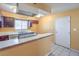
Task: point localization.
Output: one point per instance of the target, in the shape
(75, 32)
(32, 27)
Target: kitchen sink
(26, 34)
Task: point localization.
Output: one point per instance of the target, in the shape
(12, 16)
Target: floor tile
(62, 51)
(73, 53)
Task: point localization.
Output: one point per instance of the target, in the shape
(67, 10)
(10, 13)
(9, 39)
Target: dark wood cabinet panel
(0, 24)
(34, 21)
(8, 21)
(3, 38)
(1, 21)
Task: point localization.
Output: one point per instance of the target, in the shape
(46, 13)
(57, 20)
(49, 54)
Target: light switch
(74, 29)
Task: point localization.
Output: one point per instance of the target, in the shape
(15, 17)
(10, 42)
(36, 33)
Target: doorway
(62, 27)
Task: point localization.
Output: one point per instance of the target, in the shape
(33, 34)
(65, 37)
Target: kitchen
(39, 29)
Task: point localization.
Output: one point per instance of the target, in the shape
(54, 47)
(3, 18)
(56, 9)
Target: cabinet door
(0, 24)
(1, 21)
(8, 21)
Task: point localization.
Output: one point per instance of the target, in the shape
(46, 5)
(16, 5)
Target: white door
(62, 27)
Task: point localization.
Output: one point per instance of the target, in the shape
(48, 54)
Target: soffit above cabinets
(29, 10)
(22, 8)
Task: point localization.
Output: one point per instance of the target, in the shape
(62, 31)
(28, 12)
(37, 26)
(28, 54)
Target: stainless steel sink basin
(26, 34)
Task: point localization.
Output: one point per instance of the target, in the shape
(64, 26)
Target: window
(17, 24)
(21, 24)
(24, 24)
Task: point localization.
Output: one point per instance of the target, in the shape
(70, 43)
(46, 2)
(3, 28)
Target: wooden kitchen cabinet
(39, 47)
(0, 24)
(8, 21)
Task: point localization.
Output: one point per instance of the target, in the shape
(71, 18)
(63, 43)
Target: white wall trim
(74, 50)
(49, 53)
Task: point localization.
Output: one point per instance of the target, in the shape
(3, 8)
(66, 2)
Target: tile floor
(62, 51)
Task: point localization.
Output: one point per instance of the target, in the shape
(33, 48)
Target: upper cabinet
(8, 22)
(1, 20)
(0, 24)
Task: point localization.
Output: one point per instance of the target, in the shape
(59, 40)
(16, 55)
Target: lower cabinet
(38, 47)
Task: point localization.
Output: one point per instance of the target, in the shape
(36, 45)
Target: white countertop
(11, 42)
(12, 33)
(7, 33)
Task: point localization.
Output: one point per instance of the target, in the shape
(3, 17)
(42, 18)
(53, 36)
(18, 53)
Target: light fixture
(39, 14)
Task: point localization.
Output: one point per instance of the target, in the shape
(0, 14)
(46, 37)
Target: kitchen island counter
(12, 42)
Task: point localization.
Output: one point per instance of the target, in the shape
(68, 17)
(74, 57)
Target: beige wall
(46, 24)
(74, 15)
(34, 28)
(7, 29)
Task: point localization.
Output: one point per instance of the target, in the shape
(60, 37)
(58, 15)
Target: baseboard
(69, 48)
(74, 50)
(49, 53)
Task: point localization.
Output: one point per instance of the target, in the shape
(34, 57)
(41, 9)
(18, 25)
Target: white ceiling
(61, 7)
(55, 7)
